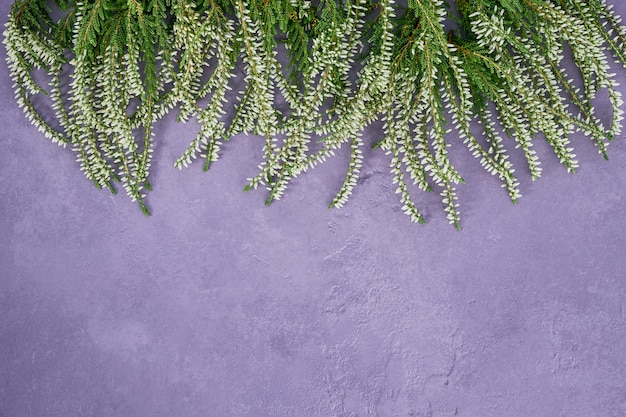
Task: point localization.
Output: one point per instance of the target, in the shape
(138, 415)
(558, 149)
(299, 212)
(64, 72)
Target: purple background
(220, 306)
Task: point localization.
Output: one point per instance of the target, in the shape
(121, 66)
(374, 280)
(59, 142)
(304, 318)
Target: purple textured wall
(220, 306)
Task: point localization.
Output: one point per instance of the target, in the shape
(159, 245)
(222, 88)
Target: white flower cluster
(28, 51)
(191, 32)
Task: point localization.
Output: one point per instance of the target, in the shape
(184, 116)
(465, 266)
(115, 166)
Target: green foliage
(118, 66)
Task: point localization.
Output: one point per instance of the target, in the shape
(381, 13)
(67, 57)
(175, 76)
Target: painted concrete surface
(220, 306)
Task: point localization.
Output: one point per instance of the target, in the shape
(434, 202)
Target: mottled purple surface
(220, 306)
